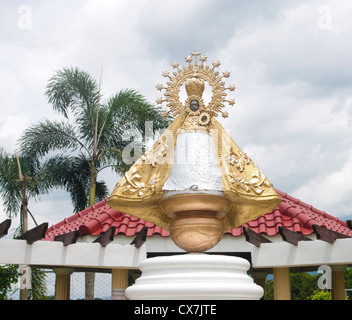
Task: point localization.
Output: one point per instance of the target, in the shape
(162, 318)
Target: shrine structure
(201, 213)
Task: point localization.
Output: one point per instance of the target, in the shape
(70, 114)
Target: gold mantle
(247, 192)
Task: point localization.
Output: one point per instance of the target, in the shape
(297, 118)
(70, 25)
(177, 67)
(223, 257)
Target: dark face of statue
(194, 105)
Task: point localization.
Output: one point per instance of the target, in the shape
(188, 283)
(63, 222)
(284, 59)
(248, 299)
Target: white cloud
(293, 114)
(330, 191)
(51, 208)
(11, 129)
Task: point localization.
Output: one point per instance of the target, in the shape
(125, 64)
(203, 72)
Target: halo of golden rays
(202, 71)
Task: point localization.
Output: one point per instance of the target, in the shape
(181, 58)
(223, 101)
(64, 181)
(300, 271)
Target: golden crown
(194, 76)
(195, 87)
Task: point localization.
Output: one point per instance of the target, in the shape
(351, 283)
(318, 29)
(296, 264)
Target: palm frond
(51, 174)
(113, 158)
(101, 191)
(47, 136)
(10, 185)
(126, 115)
(72, 89)
(39, 288)
(94, 141)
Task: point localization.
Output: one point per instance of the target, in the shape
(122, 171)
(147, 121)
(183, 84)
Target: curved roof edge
(292, 214)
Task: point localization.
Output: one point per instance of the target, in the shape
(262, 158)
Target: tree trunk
(89, 291)
(24, 294)
(24, 207)
(93, 184)
(24, 228)
(24, 218)
(90, 276)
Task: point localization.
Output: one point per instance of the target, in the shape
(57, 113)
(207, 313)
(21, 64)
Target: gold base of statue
(197, 224)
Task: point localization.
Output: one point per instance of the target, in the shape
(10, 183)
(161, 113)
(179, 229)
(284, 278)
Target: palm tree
(23, 178)
(92, 135)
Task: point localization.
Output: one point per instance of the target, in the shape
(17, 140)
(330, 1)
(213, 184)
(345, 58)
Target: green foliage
(21, 178)
(320, 295)
(10, 187)
(8, 276)
(38, 290)
(348, 282)
(304, 286)
(70, 153)
(93, 135)
(269, 290)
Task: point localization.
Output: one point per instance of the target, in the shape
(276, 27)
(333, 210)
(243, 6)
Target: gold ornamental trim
(193, 76)
(195, 202)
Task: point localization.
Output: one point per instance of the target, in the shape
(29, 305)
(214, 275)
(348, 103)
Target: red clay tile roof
(292, 214)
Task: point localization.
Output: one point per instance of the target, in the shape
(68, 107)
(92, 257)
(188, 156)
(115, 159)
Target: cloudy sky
(290, 61)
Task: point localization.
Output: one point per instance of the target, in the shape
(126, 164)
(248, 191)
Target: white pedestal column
(194, 276)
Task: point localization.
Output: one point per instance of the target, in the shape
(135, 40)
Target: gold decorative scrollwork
(156, 155)
(253, 185)
(238, 159)
(133, 182)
